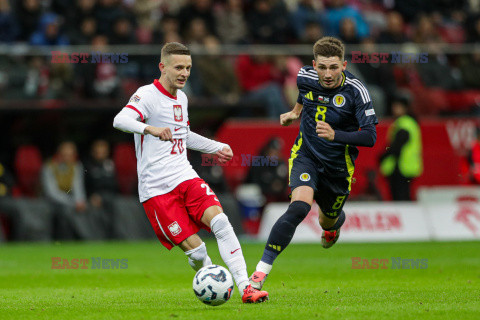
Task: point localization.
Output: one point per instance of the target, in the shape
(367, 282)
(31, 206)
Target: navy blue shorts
(330, 193)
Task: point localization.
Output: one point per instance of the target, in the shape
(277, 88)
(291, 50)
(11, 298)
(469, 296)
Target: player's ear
(344, 65)
(313, 63)
(161, 66)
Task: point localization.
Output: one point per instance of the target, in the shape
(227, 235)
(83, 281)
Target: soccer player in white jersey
(177, 201)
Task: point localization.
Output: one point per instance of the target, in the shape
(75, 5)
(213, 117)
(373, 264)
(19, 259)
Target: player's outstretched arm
(287, 118)
(205, 145)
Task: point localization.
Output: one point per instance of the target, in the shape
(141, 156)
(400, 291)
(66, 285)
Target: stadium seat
(28, 164)
(126, 166)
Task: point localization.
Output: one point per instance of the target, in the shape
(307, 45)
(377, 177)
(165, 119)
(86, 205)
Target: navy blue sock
(339, 223)
(284, 229)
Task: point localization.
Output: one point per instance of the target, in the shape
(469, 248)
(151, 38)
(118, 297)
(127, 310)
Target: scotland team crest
(177, 112)
(339, 100)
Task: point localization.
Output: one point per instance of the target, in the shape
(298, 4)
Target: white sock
(230, 249)
(198, 257)
(264, 267)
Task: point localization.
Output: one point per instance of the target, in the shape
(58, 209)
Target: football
(213, 285)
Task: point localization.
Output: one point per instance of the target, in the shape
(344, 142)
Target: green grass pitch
(307, 282)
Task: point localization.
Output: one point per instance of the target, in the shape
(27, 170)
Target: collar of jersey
(163, 90)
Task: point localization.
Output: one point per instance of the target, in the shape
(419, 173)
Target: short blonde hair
(172, 48)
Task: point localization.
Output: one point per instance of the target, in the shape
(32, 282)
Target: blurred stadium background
(246, 55)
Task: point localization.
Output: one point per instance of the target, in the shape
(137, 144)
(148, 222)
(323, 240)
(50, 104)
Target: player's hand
(286, 119)
(163, 134)
(224, 155)
(324, 130)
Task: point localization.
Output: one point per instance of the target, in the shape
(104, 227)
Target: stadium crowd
(449, 83)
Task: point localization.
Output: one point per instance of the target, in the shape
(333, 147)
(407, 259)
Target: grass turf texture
(307, 282)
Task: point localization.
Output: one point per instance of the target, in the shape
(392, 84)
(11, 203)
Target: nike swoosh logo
(232, 252)
(176, 129)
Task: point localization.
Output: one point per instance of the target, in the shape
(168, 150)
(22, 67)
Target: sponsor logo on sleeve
(135, 98)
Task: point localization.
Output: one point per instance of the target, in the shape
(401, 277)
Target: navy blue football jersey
(346, 108)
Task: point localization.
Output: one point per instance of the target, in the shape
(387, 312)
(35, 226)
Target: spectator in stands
(261, 82)
(28, 15)
(438, 73)
(214, 76)
(37, 82)
(85, 34)
(169, 25)
(379, 79)
(148, 13)
(106, 13)
(82, 10)
(9, 29)
(311, 33)
(470, 69)
(63, 178)
(49, 32)
(402, 162)
(410, 9)
(197, 32)
(197, 9)
(101, 183)
(425, 31)
(473, 29)
(348, 31)
(336, 11)
(474, 159)
(123, 31)
(231, 23)
(63, 185)
(61, 80)
(272, 178)
(307, 13)
(100, 80)
(395, 32)
(100, 176)
(268, 22)
(289, 66)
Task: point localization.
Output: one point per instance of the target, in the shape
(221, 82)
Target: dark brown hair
(172, 48)
(328, 47)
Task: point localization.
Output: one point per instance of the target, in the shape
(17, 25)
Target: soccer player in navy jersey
(336, 116)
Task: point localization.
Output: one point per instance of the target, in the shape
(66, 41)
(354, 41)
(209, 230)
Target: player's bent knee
(303, 193)
(210, 213)
(297, 211)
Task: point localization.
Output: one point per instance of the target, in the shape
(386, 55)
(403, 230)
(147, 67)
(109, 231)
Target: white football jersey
(161, 165)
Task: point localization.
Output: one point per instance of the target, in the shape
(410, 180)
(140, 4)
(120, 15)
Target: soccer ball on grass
(213, 285)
